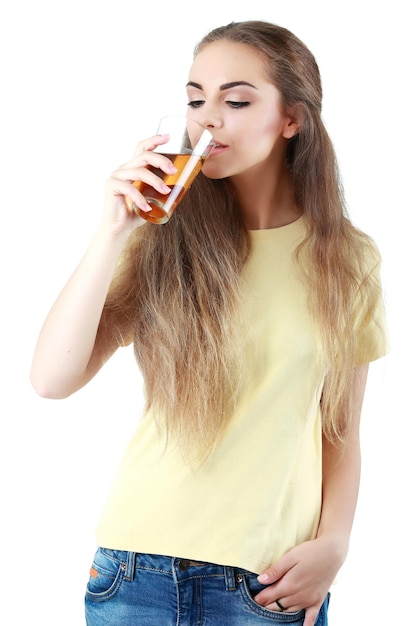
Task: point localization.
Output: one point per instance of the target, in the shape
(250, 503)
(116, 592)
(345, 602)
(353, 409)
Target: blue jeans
(129, 589)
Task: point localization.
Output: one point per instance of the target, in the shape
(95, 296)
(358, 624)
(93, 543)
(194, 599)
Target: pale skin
(229, 93)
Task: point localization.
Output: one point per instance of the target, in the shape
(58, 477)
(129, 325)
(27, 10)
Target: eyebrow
(236, 83)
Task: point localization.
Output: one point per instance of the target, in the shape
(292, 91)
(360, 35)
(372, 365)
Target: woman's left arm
(303, 576)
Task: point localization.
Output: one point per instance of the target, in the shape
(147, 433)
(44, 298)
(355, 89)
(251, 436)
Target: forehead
(224, 61)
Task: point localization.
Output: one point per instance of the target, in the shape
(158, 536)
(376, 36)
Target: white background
(81, 83)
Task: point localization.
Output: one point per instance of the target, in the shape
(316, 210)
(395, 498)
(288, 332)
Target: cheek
(266, 137)
(266, 126)
(270, 128)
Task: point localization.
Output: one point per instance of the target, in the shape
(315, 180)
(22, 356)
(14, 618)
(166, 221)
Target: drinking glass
(188, 146)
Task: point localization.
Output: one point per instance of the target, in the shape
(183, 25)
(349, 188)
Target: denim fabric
(128, 589)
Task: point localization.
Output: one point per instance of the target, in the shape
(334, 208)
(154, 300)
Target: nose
(211, 118)
(212, 122)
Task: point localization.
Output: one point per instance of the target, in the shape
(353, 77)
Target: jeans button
(183, 565)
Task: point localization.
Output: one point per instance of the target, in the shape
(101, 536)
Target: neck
(266, 199)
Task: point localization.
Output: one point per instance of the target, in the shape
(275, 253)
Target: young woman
(254, 313)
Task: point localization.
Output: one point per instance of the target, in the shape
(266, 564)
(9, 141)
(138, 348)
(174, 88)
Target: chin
(211, 171)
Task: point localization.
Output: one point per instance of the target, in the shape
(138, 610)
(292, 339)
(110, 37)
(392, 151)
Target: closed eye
(194, 104)
(237, 105)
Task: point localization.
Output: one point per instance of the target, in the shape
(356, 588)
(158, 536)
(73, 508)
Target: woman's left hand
(302, 578)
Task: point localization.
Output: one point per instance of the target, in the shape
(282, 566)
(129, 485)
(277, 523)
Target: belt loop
(130, 566)
(229, 576)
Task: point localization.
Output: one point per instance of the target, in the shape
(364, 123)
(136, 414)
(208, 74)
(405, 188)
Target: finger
(140, 176)
(150, 143)
(274, 607)
(272, 574)
(285, 605)
(268, 596)
(134, 206)
(130, 194)
(311, 616)
(139, 167)
(137, 171)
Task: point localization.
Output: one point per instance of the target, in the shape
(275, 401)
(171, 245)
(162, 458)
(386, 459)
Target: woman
(254, 313)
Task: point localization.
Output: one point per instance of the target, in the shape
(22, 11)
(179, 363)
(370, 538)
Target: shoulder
(364, 252)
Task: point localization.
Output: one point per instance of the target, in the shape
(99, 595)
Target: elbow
(48, 392)
(46, 389)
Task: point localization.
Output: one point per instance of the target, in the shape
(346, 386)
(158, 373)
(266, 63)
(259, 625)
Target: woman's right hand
(69, 351)
(122, 195)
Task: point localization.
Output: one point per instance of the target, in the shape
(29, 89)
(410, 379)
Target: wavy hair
(177, 290)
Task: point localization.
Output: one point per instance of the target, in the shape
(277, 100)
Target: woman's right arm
(67, 354)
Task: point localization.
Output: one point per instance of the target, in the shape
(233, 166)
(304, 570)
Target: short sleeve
(371, 337)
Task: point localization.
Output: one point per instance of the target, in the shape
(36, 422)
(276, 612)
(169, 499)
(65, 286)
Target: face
(230, 94)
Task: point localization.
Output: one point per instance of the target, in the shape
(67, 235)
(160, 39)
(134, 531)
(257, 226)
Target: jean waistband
(179, 568)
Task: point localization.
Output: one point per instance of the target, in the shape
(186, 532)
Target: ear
(294, 121)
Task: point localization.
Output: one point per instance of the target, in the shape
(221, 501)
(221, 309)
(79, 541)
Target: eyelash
(238, 105)
(195, 104)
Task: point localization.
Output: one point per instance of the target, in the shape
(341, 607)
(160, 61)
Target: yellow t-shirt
(259, 493)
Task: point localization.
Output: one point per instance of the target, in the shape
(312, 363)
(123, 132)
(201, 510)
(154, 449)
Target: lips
(218, 147)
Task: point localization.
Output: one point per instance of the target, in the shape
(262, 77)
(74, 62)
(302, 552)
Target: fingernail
(263, 578)
(143, 207)
(165, 188)
(172, 168)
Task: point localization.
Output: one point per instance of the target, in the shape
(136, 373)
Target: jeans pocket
(106, 576)
(249, 587)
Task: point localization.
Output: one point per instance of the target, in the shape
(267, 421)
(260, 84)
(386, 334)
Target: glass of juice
(188, 146)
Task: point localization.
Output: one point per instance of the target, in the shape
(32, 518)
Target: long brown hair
(177, 290)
